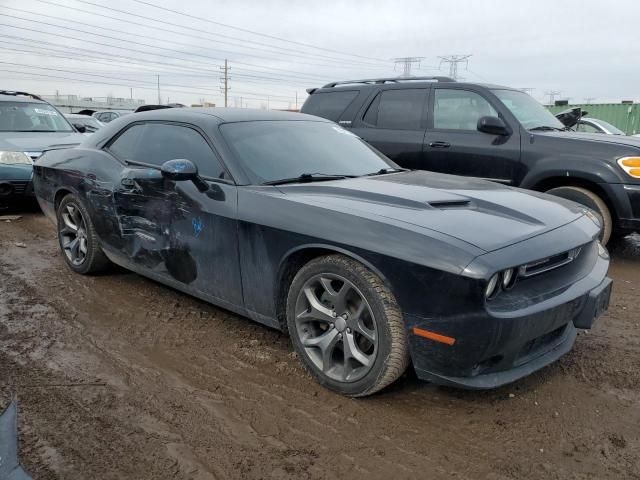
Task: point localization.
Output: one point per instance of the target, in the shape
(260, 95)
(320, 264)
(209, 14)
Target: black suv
(492, 132)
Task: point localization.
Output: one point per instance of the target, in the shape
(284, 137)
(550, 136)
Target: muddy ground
(121, 378)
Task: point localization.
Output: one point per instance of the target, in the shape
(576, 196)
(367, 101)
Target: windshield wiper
(547, 128)
(308, 178)
(384, 171)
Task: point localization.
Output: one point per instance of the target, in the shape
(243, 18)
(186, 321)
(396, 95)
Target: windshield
(275, 150)
(31, 117)
(608, 126)
(530, 113)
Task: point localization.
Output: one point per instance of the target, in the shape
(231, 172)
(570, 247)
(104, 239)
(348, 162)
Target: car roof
(19, 98)
(225, 115)
(401, 83)
(117, 111)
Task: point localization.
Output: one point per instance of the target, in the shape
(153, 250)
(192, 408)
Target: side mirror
(80, 128)
(493, 126)
(181, 170)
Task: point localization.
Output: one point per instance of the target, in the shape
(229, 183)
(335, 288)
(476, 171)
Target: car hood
(624, 140)
(37, 141)
(486, 215)
(571, 116)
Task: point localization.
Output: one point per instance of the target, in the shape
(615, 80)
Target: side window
(155, 143)
(329, 105)
(459, 109)
(125, 147)
(397, 109)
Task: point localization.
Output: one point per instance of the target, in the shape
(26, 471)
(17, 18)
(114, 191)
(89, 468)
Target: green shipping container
(625, 116)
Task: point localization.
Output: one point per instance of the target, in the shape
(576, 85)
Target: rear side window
(397, 109)
(156, 143)
(329, 105)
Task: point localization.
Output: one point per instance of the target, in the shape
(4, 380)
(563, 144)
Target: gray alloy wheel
(346, 326)
(73, 234)
(335, 325)
(78, 238)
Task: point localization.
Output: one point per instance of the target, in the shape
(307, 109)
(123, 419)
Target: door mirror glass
(179, 170)
(492, 125)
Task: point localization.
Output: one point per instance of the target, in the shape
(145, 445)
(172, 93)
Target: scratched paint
(198, 226)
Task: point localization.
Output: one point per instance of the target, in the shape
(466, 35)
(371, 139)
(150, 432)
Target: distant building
(74, 103)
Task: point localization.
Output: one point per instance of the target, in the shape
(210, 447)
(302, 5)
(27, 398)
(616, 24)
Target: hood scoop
(447, 204)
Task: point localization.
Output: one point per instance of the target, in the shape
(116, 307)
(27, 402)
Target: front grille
(19, 187)
(549, 263)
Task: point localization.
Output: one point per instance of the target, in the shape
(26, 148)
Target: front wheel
(346, 326)
(78, 238)
(591, 200)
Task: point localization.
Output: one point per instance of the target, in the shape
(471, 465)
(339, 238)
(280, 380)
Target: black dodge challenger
(296, 223)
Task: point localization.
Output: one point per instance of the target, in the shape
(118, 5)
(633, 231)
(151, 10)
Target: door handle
(439, 145)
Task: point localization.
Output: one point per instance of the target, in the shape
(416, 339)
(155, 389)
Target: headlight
(492, 286)
(14, 158)
(508, 278)
(631, 165)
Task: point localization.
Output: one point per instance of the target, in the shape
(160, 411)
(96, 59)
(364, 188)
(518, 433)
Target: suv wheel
(591, 200)
(346, 326)
(77, 237)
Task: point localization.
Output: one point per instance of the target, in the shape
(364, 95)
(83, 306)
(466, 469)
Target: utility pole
(296, 100)
(225, 81)
(159, 99)
(552, 95)
(406, 63)
(267, 102)
(131, 92)
(453, 61)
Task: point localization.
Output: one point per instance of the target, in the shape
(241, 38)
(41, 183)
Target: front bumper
(16, 181)
(494, 348)
(626, 200)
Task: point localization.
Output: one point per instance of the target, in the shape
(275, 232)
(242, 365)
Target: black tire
(591, 200)
(391, 354)
(93, 260)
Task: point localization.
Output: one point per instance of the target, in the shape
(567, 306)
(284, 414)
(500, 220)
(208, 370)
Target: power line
(246, 30)
(131, 80)
(137, 62)
(93, 82)
(190, 28)
(453, 61)
(200, 89)
(140, 51)
(99, 27)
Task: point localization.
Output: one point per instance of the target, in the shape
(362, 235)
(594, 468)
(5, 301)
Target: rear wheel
(346, 326)
(78, 239)
(591, 200)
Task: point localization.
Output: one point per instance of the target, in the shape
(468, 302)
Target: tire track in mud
(196, 392)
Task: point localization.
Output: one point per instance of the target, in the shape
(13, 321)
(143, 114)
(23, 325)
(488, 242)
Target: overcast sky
(579, 48)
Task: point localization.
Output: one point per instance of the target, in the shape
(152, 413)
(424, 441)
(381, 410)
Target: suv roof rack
(21, 94)
(389, 80)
